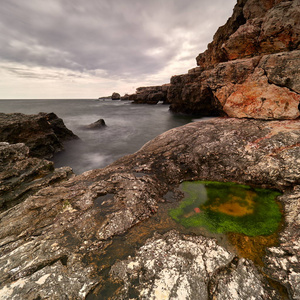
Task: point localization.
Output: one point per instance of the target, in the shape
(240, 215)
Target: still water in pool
(228, 207)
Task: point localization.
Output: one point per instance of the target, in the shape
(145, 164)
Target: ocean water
(129, 127)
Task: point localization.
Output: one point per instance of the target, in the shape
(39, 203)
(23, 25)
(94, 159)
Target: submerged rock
(43, 133)
(96, 125)
(60, 233)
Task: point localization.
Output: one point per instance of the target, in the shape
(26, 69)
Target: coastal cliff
(251, 69)
(107, 233)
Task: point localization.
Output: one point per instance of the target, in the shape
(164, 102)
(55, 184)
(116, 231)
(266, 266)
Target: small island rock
(115, 96)
(96, 125)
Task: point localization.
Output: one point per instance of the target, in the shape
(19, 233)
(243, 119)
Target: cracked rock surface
(175, 266)
(53, 235)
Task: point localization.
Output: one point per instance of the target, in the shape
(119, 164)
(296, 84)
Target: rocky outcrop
(43, 133)
(251, 69)
(150, 94)
(115, 96)
(22, 175)
(175, 266)
(60, 235)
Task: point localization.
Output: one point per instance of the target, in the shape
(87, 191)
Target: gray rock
(175, 266)
(100, 124)
(79, 217)
(22, 175)
(43, 133)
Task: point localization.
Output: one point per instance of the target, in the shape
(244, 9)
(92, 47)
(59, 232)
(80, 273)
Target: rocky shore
(58, 235)
(250, 69)
(106, 234)
(43, 133)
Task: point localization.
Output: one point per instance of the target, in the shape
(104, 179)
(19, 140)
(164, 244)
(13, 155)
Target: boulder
(115, 96)
(43, 133)
(100, 124)
(72, 227)
(250, 70)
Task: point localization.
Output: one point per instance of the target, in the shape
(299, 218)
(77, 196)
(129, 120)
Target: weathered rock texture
(150, 94)
(250, 70)
(43, 133)
(45, 241)
(22, 175)
(173, 266)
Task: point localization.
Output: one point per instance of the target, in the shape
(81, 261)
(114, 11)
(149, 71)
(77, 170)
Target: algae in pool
(228, 207)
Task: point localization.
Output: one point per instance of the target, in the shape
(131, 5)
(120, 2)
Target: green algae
(228, 207)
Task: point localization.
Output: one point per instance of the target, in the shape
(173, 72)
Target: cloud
(118, 39)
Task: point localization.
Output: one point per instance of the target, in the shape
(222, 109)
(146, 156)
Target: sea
(129, 127)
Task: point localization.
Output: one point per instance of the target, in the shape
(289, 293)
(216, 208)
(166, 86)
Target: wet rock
(80, 217)
(43, 133)
(100, 124)
(115, 96)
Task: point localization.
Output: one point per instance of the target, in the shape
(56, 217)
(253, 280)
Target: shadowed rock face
(46, 239)
(22, 175)
(150, 94)
(250, 70)
(43, 133)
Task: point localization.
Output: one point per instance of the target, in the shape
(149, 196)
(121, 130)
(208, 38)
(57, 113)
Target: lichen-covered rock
(80, 217)
(283, 262)
(43, 133)
(172, 267)
(175, 266)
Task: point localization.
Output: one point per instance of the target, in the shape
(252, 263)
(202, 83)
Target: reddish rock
(251, 69)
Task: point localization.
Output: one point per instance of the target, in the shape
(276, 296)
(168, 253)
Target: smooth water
(129, 127)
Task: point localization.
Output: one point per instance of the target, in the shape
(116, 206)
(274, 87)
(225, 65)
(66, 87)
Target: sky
(92, 48)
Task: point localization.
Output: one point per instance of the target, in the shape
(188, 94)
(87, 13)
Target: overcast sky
(91, 48)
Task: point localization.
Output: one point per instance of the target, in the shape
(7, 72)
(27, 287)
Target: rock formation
(43, 134)
(150, 94)
(100, 124)
(251, 69)
(115, 96)
(22, 175)
(70, 237)
(59, 235)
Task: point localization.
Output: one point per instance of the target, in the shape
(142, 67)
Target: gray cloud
(131, 37)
